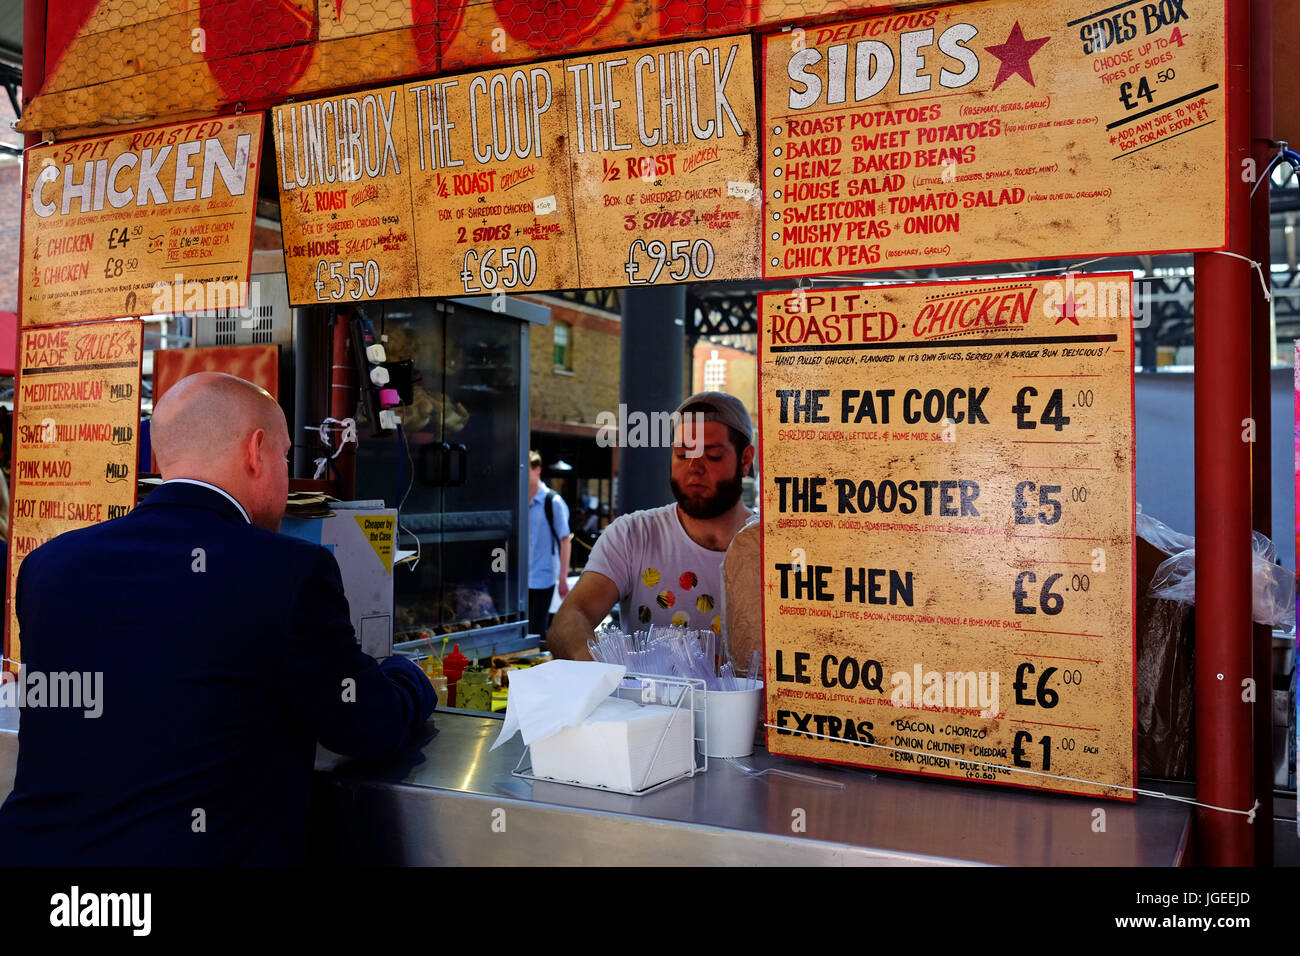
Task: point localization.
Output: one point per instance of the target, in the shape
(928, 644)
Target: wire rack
(684, 695)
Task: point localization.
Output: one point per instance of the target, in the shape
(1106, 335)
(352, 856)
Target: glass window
(562, 355)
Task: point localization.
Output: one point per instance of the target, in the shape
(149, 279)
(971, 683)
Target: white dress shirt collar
(220, 491)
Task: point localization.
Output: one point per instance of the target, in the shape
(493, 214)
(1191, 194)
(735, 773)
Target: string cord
(1248, 814)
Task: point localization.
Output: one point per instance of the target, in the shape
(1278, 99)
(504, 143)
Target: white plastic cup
(731, 718)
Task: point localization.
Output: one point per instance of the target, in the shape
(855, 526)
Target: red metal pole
(1261, 338)
(1223, 495)
(33, 56)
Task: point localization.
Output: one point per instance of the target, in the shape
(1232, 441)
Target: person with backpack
(549, 546)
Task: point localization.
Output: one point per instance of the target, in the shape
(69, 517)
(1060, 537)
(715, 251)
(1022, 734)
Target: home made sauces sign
(76, 422)
(948, 529)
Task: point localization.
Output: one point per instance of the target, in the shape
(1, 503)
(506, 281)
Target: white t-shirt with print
(663, 577)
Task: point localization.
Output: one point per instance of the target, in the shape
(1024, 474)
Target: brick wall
(595, 342)
(741, 373)
(11, 207)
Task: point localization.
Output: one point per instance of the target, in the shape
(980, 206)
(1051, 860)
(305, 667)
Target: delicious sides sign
(75, 435)
(665, 164)
(110, 221)
(997, 131)
(948, 529)
(470, 184)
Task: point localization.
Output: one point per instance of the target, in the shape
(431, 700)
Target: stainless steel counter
(452, 802)
(455, 803)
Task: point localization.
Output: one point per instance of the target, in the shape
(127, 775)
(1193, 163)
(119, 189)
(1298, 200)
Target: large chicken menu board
(112, 221)
(948, 508)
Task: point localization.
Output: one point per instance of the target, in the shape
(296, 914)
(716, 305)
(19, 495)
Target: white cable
(869, 283)
(410, 482)
(1259, 270)
(347, 429)
(1248, 814)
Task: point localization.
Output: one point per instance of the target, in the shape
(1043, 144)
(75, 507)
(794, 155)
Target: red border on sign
(1130, 796)
(255, 159)
(10, 583)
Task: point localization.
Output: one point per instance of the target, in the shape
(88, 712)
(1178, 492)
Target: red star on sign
(1015, 54)
(1067, 310)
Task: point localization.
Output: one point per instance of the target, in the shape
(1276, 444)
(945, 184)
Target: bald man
(218, 653)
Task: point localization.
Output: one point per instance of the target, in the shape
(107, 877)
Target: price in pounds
(1049, 506)
(689, 260)
(115, 267)
(1132, 99)
(1053, 413)
(1024, 740)
(1044, 694)
(1048, 601)
(1020, 756)
(1050, 597)
(119, 237)
(517, 266)
(360, 281)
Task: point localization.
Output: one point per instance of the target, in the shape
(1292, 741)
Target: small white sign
(544, 205)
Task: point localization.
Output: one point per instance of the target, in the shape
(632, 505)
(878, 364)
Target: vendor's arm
(353, 705)
(575, 622)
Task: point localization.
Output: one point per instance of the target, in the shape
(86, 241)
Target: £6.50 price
(515, 266)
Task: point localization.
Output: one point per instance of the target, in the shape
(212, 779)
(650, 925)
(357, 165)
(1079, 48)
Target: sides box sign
(996, 131)
(633, 168)
(154, 220)
(76, 421)
(948, 509)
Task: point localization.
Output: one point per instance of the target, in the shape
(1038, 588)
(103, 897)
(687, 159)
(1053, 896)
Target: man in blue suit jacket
(226, 651)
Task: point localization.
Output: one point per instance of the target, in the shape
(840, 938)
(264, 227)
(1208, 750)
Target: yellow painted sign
(118, 225)
(665, 163)
(76, 421)
(996, 131)
(471, 184)
(948, 543)
(491, 170)
(379, 533)
(121, 61)
(345, 184)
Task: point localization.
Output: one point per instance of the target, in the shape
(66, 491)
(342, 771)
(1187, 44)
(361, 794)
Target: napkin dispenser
(622, 745)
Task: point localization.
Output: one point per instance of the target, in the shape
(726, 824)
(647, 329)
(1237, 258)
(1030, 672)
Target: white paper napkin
(545, 699)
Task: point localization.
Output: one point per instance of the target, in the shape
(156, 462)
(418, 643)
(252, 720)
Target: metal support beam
(654, 343)
(1262, 347)
(1223, 496)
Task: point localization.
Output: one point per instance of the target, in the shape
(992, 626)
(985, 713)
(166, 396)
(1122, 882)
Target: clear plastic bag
(1273, 586)
(1161, 535)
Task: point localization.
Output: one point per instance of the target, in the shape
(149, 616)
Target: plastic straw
(752, 673)
(750, 772)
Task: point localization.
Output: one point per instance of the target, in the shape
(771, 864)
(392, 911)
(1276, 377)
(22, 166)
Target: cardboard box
(362, 542)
